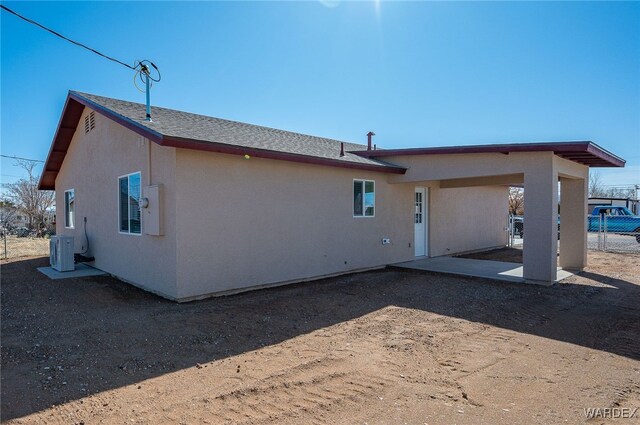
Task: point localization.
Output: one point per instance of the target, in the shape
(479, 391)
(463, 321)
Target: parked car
(618, 219)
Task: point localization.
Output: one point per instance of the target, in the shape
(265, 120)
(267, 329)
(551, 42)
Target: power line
(65, 38)
(19, 158)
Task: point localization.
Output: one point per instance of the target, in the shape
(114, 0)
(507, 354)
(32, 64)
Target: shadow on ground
(63, 340)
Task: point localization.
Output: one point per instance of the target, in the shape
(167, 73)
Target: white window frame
(72, 218)
(128, 210)
(364, 182)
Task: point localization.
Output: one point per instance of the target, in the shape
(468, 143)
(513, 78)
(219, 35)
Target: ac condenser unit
(61, 253)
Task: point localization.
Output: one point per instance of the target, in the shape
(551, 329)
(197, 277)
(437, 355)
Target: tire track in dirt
(276, 398)
(475, 352)
(623, 335)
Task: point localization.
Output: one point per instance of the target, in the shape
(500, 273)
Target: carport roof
(583, 152)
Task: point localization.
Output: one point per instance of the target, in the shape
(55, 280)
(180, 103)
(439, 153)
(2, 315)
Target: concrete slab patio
(495, 270)
(82, 270)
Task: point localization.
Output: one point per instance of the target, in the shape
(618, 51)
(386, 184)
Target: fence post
(600, 232)
(604, 217)
(4, 236)
(512, 230)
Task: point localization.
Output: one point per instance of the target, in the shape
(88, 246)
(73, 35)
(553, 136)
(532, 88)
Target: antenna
(144, 73)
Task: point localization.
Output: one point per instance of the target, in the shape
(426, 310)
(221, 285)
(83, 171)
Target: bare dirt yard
(385, 347)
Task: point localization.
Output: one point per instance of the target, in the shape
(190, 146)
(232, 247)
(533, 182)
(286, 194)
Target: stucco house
(188, 206)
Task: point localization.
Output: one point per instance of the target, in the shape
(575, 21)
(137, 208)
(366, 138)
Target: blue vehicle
(618, 220)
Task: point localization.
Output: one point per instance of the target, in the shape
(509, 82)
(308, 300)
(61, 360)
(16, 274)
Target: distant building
(632, 204)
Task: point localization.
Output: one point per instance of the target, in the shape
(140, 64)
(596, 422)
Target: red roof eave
(584, 152)
(207, 146)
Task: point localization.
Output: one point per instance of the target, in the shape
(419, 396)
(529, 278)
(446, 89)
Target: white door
(421, 220)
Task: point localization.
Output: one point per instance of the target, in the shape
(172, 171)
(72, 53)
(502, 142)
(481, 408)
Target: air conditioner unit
(61, 253)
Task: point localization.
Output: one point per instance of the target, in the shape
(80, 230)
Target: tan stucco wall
(232, 223)
(91, 167)
(244, 223)
(252, 222)
(457, 166)
(467, 219)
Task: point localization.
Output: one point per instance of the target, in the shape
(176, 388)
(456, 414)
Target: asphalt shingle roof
(173, 123)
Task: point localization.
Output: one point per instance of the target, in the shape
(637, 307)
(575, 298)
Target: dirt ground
(510, 255)
(386, 347)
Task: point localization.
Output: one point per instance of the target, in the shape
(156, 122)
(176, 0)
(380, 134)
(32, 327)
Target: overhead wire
(19, 158)
(57, 34)
(140, 67)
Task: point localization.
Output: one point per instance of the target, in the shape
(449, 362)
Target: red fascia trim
(72, 110)
(558, 148)
(519, 147)
(606, 155)
(207, 146)
(41, 184)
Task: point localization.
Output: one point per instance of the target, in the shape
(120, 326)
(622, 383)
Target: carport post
(573, 225)
(540, 261)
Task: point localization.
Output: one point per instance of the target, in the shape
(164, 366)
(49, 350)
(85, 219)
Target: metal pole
(148, 85)
(512, 230)
(605, 232)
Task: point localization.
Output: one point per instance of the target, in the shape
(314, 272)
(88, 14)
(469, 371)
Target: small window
(129, 204)
(364, 198)
(69, 208)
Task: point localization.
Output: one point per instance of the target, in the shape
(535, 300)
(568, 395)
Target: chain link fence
(14, 246)
(615, 233)
(604, 233)
(515, 231)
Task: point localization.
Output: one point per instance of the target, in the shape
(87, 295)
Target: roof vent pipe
(369, 136)
(341, 148)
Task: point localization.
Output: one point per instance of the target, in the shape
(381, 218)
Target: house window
(69, 208)
(129, 204)
(364, 198)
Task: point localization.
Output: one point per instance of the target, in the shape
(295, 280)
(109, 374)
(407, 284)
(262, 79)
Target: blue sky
(416, 73)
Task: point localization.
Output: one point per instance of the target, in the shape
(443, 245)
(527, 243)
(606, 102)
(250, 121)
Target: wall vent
(89, 122)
